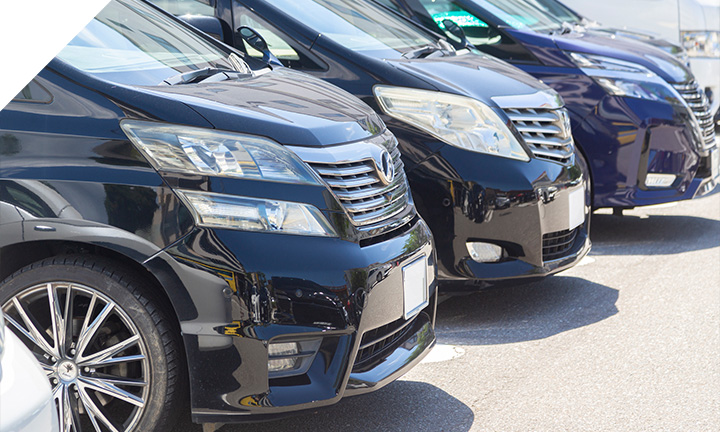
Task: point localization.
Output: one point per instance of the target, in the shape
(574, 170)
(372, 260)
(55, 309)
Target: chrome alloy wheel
(91, 351)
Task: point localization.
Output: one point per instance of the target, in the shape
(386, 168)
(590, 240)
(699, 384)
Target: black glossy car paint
(71, 181)
(463, 195)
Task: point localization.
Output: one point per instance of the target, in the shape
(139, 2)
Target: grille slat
(375, 342)
(557, 244)
(546, 131)
(700, 106)
(357, 184)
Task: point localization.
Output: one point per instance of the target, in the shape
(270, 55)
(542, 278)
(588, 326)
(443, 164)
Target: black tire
(108, 309)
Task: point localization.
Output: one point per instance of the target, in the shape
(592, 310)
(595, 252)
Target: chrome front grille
(700, 106)
(353, 172)
(546, 131)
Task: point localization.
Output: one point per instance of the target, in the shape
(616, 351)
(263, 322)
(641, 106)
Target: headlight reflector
(457, 120)
(701, 43)
(185, 149)
(590, 61)
(254, 214)
(640, 89)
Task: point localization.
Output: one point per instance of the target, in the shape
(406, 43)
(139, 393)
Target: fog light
(484, 252)
(659, 180)
(287, 351)
(291, 358)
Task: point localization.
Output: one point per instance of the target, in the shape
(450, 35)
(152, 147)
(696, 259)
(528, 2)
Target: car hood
(286, 106)
(478, 76)
(655, 59)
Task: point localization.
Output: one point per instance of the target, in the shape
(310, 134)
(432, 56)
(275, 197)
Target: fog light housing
(659, 180)
(484, 252)
(289, 358)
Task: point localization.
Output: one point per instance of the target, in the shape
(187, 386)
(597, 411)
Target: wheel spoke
(107, 353)
(94, 412)
(120, 380)
(111, 390)
(71, 415)
(68, 317)
(58, 322)
(59, 397)
(88, 332)
(116, 360)
(32, 331)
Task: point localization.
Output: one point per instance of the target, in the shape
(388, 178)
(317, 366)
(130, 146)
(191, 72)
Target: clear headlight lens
(460, 121)
(253, 214)
(185, 149)
(622, 78)
(701, 43)
(640, 89)
(590, 61)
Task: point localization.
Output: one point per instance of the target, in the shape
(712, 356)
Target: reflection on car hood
(655, 59)
(478, 76)
(289, 107)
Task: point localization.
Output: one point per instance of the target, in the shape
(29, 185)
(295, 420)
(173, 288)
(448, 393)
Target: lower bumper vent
(557, 244)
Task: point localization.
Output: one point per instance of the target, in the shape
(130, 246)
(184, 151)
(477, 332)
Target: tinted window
(282, 46)
(358, 25)
(131, 43)
(182, 7)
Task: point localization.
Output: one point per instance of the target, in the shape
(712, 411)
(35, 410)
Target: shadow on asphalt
(652, 235)
(400, 406)
(525, 312)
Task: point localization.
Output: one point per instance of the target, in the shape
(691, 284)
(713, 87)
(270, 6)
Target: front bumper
(520, 206)
(299, 288)
(628, 139)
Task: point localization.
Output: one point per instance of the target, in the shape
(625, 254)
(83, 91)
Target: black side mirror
(455, 30)
(206, 24)
(256, 41)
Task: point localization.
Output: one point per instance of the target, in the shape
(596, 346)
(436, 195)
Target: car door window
(288, 51)
(187, 7)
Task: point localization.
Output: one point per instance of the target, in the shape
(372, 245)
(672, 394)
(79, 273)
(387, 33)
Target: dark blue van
(637, 113)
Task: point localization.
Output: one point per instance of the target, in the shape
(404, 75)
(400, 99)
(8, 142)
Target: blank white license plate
(576, 207)
(714, 170)
(415, 289)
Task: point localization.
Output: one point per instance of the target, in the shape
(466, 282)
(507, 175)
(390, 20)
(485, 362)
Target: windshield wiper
(422, 52)
(208, 74)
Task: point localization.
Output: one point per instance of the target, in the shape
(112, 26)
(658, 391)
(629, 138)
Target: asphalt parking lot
(627, 341)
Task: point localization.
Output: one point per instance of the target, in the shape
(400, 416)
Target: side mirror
(257, 42)
(455, 30)
(206, 24)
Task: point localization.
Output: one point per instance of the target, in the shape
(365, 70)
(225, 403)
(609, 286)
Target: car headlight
(701, 43)
(256, 214)
(640, 90)
(457, 120)
(622, 78)
(192, 150)
(601, 63)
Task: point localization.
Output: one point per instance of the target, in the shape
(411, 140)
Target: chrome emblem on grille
(385, 167)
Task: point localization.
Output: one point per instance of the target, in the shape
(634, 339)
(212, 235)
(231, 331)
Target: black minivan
(179, 223)
(487, 148)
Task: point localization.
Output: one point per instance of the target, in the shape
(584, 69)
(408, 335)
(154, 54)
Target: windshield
(556, 10)
(356, 24)
(129, 42)
(521, 14)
